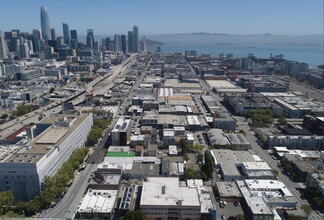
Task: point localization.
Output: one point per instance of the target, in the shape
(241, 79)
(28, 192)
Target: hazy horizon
(253, 17)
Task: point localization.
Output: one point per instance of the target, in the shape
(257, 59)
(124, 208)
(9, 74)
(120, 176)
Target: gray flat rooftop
(52, 136)
(47, 141)
(228, 189)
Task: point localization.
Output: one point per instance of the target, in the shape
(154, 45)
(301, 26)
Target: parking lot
(228, 210)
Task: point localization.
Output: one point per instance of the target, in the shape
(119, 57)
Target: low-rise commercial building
(245, 102)
(296, 142)
(263, 197)
(97, 204)
(229, 161)
(166, 197)
(224, 121)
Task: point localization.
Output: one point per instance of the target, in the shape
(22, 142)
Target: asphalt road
(67, 207)
(32, 117)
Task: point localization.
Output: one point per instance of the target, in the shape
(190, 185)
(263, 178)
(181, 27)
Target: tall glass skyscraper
(135, 39)
(53, 33)
(123, 43)
(90, 38)
(45, 23)
(66, 34)
(130, 41)
(118, 43)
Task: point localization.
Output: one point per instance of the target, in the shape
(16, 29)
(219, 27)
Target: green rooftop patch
(120, 154)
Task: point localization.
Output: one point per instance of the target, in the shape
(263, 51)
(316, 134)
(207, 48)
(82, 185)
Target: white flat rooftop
(270, 186)
(256, 166)
(165, 191)
(193, 120)
(101, 201)
(220, 84)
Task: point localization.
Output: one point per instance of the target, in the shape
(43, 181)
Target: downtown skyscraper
(130, 41)
(90, 38)
(135, 39)
(45, 24)
(66, 34)
(3, 48)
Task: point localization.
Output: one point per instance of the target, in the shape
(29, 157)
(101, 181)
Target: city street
(264, 154)
(67, 207)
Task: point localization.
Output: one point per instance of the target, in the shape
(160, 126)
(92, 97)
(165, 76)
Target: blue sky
(106, 17)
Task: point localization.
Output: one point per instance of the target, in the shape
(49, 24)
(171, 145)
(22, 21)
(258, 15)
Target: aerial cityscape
(182, 124)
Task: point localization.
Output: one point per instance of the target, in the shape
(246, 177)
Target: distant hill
(228, 39)
(150, 42)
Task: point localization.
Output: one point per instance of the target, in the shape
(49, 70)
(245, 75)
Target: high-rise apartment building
(74, 39)
(130, 41)
(74, 34)
(24, 50)
(90, 38)
(66, 34)
(45, 24)
(123, 43)
(37, 37)
(108, 41)
(53, 34)
(117, 42)
(135, 39)
(3, 48)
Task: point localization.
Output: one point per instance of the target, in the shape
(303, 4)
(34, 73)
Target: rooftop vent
(163, 190)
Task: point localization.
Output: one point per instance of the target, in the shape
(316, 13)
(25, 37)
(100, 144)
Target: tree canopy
(54, 187)
(282, 120)
(23, 109)
(6, 200)
(261, 116)
(209, 165)
(98, 126)
(135, 215)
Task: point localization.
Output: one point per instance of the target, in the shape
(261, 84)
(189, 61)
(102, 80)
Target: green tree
(209, 165)
(98, 126)
(295, 217)
(261, 116)
(47, 198)
(6, 200)
(52, 89)
(20, 208)
(242, 132)
(195, 147)
(135, 215)
(23, 109)
(200, 157)
(282, 121)
(307, 209)
(4, 116)
(183, 146)
(33, 206)
(262, 138)
(47, 182)
(239, 217)
(276, 172)
(190, 173)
